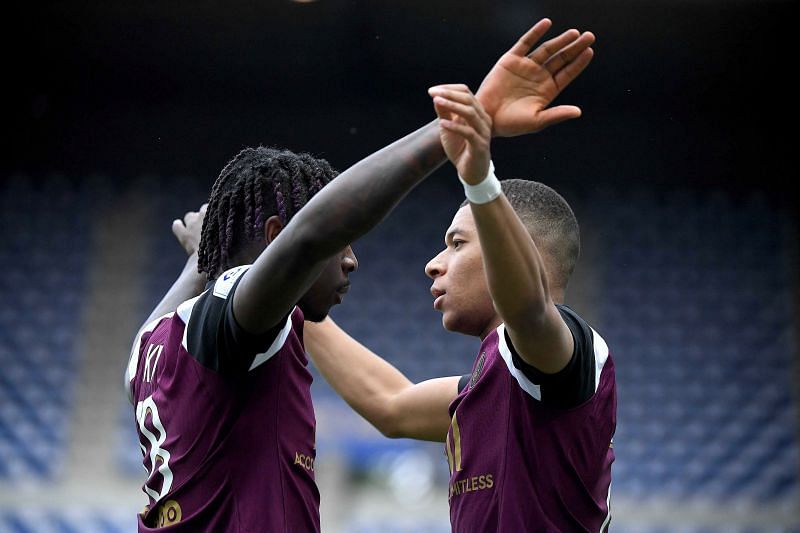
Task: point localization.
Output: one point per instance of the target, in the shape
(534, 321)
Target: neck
(556, 294)
(490, 327)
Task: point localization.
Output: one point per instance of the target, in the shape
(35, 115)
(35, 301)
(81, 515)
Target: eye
(457, 243)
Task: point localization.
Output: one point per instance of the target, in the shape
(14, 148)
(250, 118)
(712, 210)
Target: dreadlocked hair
(255, 185)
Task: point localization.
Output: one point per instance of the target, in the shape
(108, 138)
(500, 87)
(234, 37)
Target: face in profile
(330, 287)
(459, 286)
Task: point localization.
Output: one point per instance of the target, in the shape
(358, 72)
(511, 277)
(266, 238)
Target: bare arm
(518, 94)
(515, 271)
(190, 282)
(340, 213)
(519, 287)
(514, 268)
(378, 391)
(516, 91)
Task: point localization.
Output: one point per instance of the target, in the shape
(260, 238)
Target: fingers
(569, 53)
(531, 37)
(181, 227)
(436, 89)
(454, 104)
(461, 114)
(571, 71)
(178, 227)
(557, 52)
(544, 51)
(463, 130)
(190, 217)
(555, 115)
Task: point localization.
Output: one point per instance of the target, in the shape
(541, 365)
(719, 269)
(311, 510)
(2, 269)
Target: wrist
(489, 105)
(486, 190)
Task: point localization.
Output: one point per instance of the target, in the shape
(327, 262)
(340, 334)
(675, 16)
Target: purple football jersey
(225, 420)
(531, 452)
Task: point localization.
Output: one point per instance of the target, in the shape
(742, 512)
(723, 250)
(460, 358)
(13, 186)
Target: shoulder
(588, 342)
(573, 385)
(214, 337)
(139, 341)
(225, 283)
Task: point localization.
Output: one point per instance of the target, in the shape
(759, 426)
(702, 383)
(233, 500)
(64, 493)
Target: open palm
(519, 88)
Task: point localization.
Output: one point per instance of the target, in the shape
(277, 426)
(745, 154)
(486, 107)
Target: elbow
(390, 424)
(532, 317)
(391, 432)
(529, 315)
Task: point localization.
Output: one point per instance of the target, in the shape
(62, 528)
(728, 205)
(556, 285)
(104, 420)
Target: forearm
(376, 390)
(364, 380)
(518, 283)
(364, 194)
(189, 284)
(514, 268)
(338, 215)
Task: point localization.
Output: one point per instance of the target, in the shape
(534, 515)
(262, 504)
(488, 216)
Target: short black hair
(256, 184)
(550, 222)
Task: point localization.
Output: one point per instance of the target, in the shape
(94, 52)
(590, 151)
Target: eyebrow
(453, 231)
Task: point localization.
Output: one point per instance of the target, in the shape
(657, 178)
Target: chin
(463, 327)
(314, 314)
(450, 324)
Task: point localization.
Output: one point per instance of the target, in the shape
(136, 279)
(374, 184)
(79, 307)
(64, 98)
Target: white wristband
(485, 191)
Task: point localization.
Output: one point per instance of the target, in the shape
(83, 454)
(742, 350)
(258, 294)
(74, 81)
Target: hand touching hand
(464, 129)
(522, 83)
(189, 230)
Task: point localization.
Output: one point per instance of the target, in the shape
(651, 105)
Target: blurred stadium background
(122, 115)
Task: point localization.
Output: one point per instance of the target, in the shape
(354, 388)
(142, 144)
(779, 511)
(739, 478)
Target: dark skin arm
(515, 97)
(516, 93)
(339, 214)
(190, 282)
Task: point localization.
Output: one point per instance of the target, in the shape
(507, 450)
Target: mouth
(438, 296)
(341, 291)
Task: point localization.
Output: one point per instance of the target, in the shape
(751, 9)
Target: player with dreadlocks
(219, 382)
(256, 183)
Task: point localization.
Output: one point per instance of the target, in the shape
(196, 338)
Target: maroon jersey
(529, 451)
(225, 420)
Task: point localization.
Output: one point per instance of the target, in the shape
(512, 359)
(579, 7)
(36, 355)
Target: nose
(349, 260)
(436, 266)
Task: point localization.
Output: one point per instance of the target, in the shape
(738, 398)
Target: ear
(272, 227)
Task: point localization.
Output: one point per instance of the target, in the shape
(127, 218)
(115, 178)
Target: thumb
(440, 113)
(178, 228)
(559, 114)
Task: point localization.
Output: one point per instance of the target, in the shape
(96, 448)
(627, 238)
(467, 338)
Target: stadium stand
(698, 311)
(695, 301)
(44, 256)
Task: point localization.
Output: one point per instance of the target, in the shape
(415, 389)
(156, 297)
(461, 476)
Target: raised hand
(188, 229)
(522, 83)
(465, 130)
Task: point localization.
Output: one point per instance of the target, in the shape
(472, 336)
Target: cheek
(325, 282)
(470, 301)
(474, 280)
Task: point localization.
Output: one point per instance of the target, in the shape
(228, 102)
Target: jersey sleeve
(214, 337)
(576, 382)
(136, 351)
(463, 382)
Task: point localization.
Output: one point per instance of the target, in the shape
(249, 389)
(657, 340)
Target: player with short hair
(528, 433)
(219, 382)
